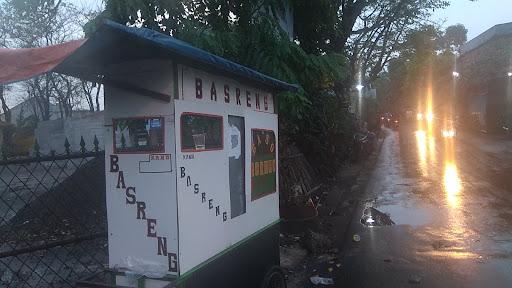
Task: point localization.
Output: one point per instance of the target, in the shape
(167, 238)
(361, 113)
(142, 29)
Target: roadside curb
(368, 167)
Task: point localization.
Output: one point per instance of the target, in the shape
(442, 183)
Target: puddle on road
(413, 216)
(373, 217)
(399, 214)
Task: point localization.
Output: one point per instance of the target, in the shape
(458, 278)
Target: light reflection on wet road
(453, 224)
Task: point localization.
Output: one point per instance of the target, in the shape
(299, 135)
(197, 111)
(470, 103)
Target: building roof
(491, 33)
(114, 43)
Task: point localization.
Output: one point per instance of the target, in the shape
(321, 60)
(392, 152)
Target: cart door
(202, 181)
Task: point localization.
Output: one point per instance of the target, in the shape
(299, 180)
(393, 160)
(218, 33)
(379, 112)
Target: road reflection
(452, 184)
(427, 163)
(432, 149)
(457, 231)
(451, 180)
(427, 155)
(441, 164)
(421, 140)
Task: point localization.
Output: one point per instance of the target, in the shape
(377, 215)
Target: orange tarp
(24, 63)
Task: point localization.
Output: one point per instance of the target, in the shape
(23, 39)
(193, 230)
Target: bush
(325, 134)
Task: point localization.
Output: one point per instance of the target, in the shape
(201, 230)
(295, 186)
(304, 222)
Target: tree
(248, 32)
(454, 37)
(424, 60)
(3, 88)
(143, 13)
(332, 36)
(89, 89)
(316, 25)
(7, 132)
(381, 29)
(368, 32)
(5, 108)
(37, 23)
(231, 29)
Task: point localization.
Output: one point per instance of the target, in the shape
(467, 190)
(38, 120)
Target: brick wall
(484, 74)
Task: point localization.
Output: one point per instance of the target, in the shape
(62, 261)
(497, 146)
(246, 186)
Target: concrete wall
(477, 110)
(51, 134)
(484, 84)
(28, 108)
(489, 61)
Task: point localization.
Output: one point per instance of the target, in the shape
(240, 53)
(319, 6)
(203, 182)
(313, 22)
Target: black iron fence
(52, 217)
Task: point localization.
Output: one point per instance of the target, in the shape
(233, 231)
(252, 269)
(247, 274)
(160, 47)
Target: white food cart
(191, 161)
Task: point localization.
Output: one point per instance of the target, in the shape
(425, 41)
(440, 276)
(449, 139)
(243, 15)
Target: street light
(359, 87)
(455, 74)
(430, 117)
(509, 74)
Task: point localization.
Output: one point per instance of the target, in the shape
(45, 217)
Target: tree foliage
(37, 23)
(248, 32)
(331, 36)
(381, 30)
(454, 37)
(425, 61)
(243, 31)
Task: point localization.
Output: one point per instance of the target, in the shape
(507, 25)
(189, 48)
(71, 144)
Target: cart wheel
(274, 278)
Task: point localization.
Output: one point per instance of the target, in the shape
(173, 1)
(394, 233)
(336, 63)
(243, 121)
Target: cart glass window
(263, 163)
(201, 132)
(139, 135)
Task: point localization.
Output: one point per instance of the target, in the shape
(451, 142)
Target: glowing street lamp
(359, 87)
(430, 117)
(509, 74)
(455, 74)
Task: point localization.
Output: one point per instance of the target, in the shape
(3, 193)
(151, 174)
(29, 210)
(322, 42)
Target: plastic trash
(415, 279)
(138, 267)
(321, 280)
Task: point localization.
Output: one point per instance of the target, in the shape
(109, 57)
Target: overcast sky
(477, 16)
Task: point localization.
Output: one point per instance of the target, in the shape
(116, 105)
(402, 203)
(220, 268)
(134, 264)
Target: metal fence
(52, 218)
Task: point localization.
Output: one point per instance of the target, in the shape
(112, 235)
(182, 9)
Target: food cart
(190, 158)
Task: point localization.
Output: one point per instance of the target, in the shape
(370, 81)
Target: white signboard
(203, 87)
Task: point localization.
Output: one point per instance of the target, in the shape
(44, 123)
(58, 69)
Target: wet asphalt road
(452, 205)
